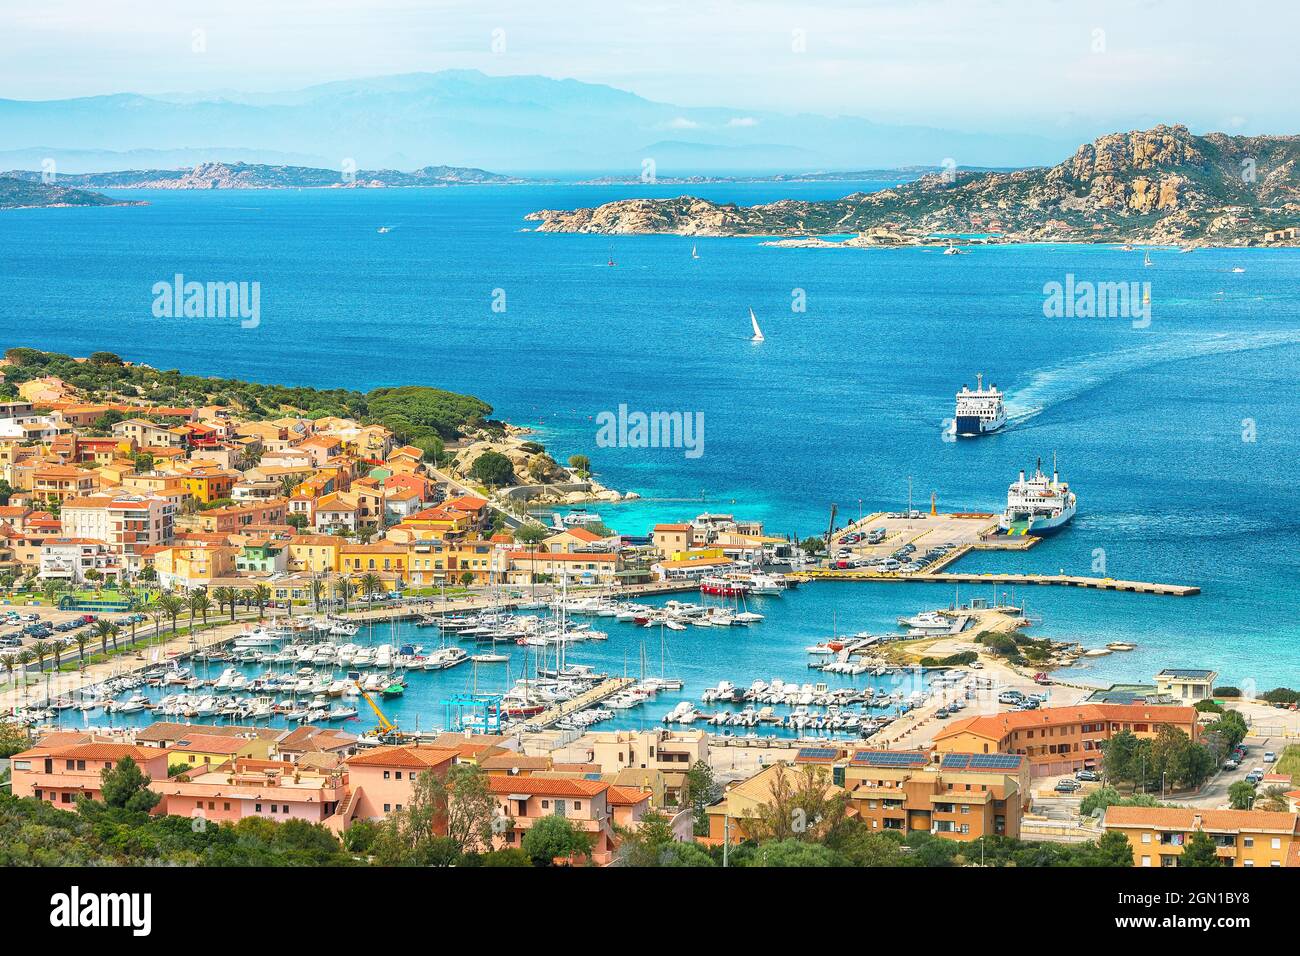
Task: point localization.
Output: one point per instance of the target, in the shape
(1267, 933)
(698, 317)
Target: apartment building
(1245, 838)
(129, 525)
(960, 796)
(1059, 740)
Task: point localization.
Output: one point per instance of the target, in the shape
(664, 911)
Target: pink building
(59, 771)
(380, 780)
(584, 803)
(272, 789)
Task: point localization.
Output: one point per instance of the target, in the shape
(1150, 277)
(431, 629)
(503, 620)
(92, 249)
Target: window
(1146, 838)
(257, 808)
(386, 775)
(1277, 843)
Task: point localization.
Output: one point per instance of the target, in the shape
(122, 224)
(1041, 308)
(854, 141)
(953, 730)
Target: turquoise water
(700, 657)
(841, 403)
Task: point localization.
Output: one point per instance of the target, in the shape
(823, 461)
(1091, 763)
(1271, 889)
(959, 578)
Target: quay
(607, 688)
(1066, 580)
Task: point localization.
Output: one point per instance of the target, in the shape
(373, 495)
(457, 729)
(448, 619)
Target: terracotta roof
(626, 796)
(997, 726)
(1183, 818)
(672, 527)
(547, 786)
(412, 756)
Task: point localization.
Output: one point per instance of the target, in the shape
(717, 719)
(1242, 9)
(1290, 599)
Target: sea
(1176, 427)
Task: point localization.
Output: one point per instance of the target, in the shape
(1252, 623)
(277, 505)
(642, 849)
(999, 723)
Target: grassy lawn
(1289, 762)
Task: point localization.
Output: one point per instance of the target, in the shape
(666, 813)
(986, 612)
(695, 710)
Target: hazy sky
(997, 64)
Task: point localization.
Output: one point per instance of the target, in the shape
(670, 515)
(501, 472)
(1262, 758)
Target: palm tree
(102, 629)
(262, 596)
(224, 596)
(172, 606)
(346, 590)
(371, 584)
(133, 624)
(40, 651)
(157, 615)
(198, 603)
(56, 651)
(82, 640)
(317, 590)
(24, 658)
(8, 663)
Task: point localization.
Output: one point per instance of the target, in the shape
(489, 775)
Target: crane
(386, 727)
(830, 530)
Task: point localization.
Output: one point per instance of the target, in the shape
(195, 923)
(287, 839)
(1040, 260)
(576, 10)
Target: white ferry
(979, 411)
(1039, 506)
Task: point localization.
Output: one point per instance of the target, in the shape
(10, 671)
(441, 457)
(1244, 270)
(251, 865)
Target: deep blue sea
(842, 402)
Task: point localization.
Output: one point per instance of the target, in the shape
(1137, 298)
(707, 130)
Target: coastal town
(203, 607)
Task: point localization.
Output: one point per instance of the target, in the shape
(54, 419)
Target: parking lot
(901, 543)
(21, 628)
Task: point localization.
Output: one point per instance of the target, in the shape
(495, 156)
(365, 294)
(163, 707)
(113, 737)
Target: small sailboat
(1146, 259)
(758, 333)
(694, 253)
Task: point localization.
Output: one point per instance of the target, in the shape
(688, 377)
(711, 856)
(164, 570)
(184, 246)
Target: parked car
(1230, 764)
(1090, 776)
(1270, 757)
(1067, 785)
(1010, 697)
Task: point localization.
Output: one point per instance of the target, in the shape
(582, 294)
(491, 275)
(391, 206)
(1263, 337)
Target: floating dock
(595, 695)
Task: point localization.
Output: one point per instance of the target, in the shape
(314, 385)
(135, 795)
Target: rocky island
(28, 194)
(1163, 185)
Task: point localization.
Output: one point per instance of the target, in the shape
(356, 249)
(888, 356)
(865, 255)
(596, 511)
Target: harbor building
(1246, 838)
(1060, 740)
(1187, 684)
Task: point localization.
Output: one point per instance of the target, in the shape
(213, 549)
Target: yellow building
(193, 567)
(1246, 838)
(317, 553)
(386, 560)
(206, 485)
(200, 750)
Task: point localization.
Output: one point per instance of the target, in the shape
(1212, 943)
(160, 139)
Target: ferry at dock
(980, 411)
(1039, 505)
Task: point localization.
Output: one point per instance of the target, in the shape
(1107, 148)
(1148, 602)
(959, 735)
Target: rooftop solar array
(816, 753)
(981, 761)
(891, 758)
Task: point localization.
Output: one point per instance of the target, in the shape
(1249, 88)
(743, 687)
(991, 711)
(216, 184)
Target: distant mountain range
(520, 124)
(255, 176)
(1162, 185)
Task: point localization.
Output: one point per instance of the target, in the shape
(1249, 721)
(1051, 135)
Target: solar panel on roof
(887, 758)
(981, 761)
(816, 753)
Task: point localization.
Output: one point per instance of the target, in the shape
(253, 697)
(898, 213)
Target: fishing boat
(758, 333)
(393, 690)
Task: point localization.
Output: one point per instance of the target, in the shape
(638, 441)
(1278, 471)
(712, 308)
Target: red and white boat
(726, 587)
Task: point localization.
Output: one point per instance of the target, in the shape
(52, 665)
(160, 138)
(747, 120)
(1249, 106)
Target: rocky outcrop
(22, 194)
(1162, 184)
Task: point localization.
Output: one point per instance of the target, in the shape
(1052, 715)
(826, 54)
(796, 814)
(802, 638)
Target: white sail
(758, 333)
(694, 254)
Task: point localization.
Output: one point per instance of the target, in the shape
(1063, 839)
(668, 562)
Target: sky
(996, 65)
